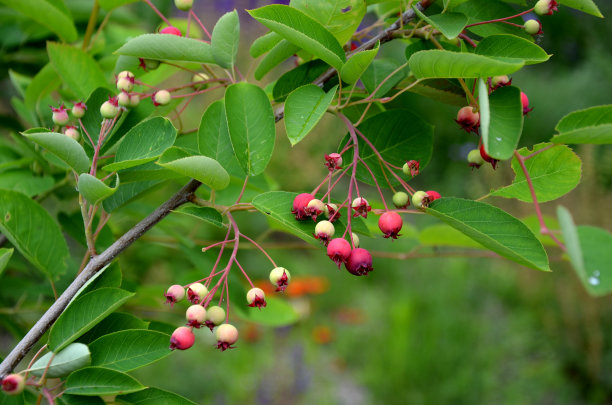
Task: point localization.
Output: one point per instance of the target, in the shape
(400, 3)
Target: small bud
(355, 239)
(361, 207)
(134, 100)
(78, 109)
(324, 230)
(227, 335)
(198, 78)
(13, 384)
(182, 338)
(411, 168)
(500, 81)
(525, 103)
(174, 294)
(161, 97)
(109, 109)
(196, 292)
(148, 64)
(196, 315)
(331, 212)
(256, 297)
(125, 83)
(280, 277)
(333, 161)
(401, 199)
(215, 315)
(125, 74)
(60, 115)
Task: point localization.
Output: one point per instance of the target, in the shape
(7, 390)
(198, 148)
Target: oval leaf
(301, 30)
(487, 10)
(494, 229)
(595, 246)
(129, 349)
(115, 322)
(95, 381)
(304, 74)
(449, 24)
(154, 396)
(587, 6)
(250, 120)
(554, 173)
(357, 64)
(506, 122)
(49, 16)
(591, 125)
(264, 44)
(94, 190)
(168, 47)
(26, 182)
(84, 313)
(379, 70)
(512, 48)
(202, 168)
(46, 248)
(64, 147)
(340, 17)
(447, 64)
(225, 39)
(280, 52)
(304, 108)
(73, 357)
(143, 143)
(207, 214)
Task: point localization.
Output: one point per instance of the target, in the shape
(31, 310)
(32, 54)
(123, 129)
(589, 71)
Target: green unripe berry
(420, 199)
(400, 199)
(183, 5)
(162, 97)
(108, 110)
(474, 158)
(215, 315)
(532, 27)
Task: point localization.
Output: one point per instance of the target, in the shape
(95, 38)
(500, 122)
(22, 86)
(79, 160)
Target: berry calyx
(60, 115)
(182, 338)
(331, 212)
(196, 292)
(256, 298)
(433, 195)
(468, 119)
(361, 207)
(420, 199)
(109, 109)
(72, 132)
(13, 384)
(195, 315)
(485, 156)
(280, 277)
(411, 168)
(174, 294)
(359, 262)
(172, 31)
(339, 250)
(183, 5)
(123, 99)
(390, 223)
(215, 316)
(324, 231)
(161, 97)
(525, 103)
(545, 7)
(299, 205)
(500, 81)
(333, 161)
(227, 335)
(401, 199)
(533, 27)
(78, 109)
(314, 208)
(474, 159)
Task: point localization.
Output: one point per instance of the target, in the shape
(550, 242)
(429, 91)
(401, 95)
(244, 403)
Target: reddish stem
(260, 248)
(500, 19)
(191, 13)
(158, 12)
(376, 183)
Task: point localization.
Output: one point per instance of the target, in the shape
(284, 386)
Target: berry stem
(244, 273)
(191, 13)
(258, 246)
(540, 151)
(246, 180)
(382, 197)
(229, 229)
(467, 39)
(352, 181)
(158, 12)
(500, 19)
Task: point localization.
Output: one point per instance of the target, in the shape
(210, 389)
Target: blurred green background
(426, 330)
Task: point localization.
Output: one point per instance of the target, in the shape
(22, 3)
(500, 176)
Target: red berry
(171, 30)
(256, 298)
(13, 384)
(226, 335)
(174, 294)
(196, 315)
(182, 338)
(339, 250)
(525, 102)
(486, 157)
(333, 161)
(468, 119)
(299, 205)
(433, 195)
(390, 223)
(359, 262)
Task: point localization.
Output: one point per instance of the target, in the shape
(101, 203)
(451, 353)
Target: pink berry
(13, 384)
(171, 30)
(333, 161)
(280, 277)
(359, 262)
(411, 168)
(299, 205)
(60, 115)
(196, 315)
(196, 292)
(182, 338)
(390, 223)
(72, 132)
(78, 109)
(361, 207)
(485, 156)
(227, 335)
(174, 294)
(433, 195)
(339, 250)
(525, 103)
(324, 231)
(468, 119)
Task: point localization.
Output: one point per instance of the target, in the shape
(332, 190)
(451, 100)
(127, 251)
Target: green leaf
(357, 64)
(449, 24)
(154, 396)
(493, 228)
(64, 147)
(26, 182)
(264, 44)
(554, 173)
(168, 47)
(447, 64)
(5, 256)
(94, 190)
(73, 357)
(115, 322)
(67, 399)
(445, 235)
(378, 71)
(591, 125)
(512, 49)
(207, 214)
(280, 52)
(587, 6)
(250, 120)
(304, 108)
(44, 83)
(44, 13)
(214, 139)
(77, 69)
(571, 241)
(301, 30)
(129, 349)
(340, 17)
(46, 248)
(225, 39)
(398, 135)
(109, 5)
(277, 313)
(128, 193)
(487, 10)
(143, 143)
(101, 381)
(484, 110)
(202, 168)
(83, 314)
(506, 121)
(304, 74)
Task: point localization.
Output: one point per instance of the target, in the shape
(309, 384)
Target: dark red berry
(359, 262)
(339, 250)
